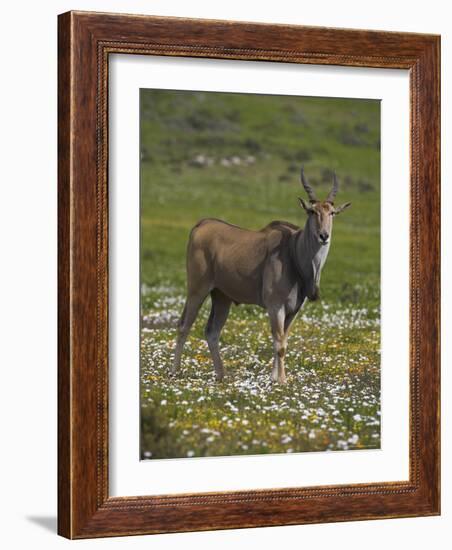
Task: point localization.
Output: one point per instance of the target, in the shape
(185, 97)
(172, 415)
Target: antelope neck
(309, 257)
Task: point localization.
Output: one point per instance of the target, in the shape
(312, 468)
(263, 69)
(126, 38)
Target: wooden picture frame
(85, 42)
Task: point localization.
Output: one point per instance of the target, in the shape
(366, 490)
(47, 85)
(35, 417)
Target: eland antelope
(276, 268)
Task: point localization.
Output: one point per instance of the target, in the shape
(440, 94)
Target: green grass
(332, 398)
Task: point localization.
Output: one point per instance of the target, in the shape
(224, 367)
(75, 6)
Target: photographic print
(260, 274)
(245, 277)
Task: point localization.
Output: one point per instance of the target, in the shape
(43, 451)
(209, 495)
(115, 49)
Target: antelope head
(321, 213)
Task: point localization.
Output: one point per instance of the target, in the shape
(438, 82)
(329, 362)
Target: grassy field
(238, 158)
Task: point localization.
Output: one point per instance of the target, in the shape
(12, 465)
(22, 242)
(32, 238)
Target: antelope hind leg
(189, 314)
(217, 318)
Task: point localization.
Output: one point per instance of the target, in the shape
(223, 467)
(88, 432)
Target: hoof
(278, 379)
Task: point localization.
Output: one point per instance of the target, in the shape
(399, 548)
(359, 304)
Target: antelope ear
(305, 205)
(341, 208)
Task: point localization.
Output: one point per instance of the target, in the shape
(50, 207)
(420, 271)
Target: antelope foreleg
(277, 319)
